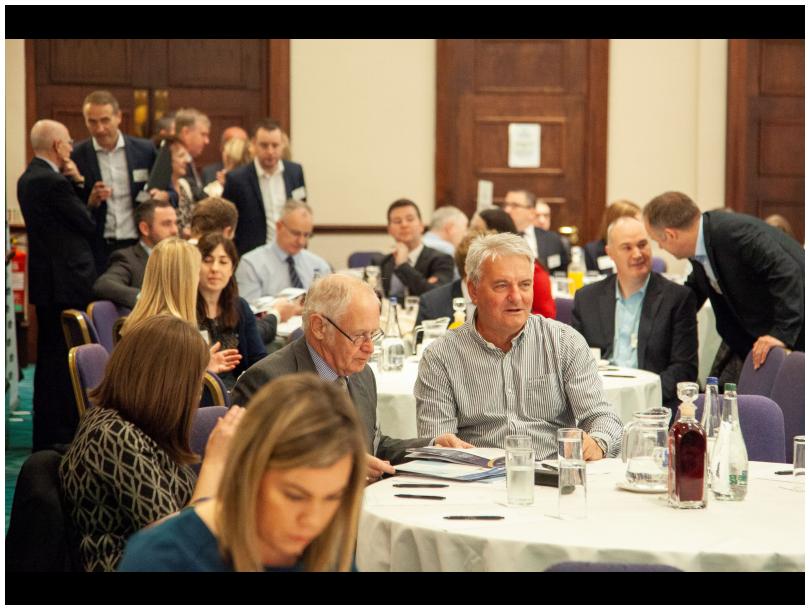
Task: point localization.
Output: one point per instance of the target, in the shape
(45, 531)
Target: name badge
(605, 262)
(553, 261)
(140, 175)
(299, 194)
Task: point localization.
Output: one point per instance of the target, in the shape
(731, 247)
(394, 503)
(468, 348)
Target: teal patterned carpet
(18, 436)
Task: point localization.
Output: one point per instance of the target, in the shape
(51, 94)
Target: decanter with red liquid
(686, 483)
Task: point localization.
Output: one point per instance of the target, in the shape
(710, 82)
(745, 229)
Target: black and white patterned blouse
(117, 480)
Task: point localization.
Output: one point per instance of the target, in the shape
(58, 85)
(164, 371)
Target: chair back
(762, 426)
(565, 310)
(788, 393)
(760, 381)
(87, 364)
(214, 391)
(103, 315)
(590, 566)
(40, 535)
(205, 419)
(362, 259)
(659, 265)
(78, 328)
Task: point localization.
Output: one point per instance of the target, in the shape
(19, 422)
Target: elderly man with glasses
(341, 323)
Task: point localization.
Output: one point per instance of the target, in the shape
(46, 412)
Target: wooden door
(228, 80)
(765, 142)
(484, 85)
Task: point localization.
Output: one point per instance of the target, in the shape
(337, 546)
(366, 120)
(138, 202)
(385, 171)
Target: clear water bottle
(393, 347)
(710, 422)
(729, 462)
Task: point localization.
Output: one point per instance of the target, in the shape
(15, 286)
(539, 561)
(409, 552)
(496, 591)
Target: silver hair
(445, 214)
(44, 132)
(331, 295)
(490, 247)
(618, 221)
(292, 205)
(189, 117)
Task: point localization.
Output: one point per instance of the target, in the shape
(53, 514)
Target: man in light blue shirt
(447, 227)
(285, 262)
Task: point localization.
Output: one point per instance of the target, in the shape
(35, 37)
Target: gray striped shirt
(548, 380)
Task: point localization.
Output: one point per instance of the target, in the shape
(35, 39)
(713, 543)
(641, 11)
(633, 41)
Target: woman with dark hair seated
(129, 464)
(290, 494)
(221, 312)
(495, 219)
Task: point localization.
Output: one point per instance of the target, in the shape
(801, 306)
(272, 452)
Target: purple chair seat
(204, 421)
(214, 391)
(788, 393)
(103, 315)
(362, 259)
(565, 310)
(659, 265)
(762, 426)
(760, 381)
(87, 364)
(78, 328)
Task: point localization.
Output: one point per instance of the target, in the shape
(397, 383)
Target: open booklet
(456, 464)
(487, 458)
(265, 304)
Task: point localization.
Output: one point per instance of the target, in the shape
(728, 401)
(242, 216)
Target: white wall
(15, 131)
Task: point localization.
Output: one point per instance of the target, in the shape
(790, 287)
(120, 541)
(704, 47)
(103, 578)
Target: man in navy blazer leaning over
(260, 189)
(115, 168)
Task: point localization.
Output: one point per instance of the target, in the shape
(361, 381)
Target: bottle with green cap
(729, 461)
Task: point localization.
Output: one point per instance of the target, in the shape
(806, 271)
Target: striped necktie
(295, 281)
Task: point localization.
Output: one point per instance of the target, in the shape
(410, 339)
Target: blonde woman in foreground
(289, 498)
(170, 287)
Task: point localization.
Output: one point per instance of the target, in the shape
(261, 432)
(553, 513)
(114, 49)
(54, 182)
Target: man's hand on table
(452, 441)
(591, 450)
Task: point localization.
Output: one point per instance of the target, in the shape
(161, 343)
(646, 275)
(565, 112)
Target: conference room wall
(363, 125)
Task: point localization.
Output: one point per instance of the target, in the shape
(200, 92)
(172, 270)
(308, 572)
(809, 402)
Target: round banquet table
(396, 406)
(765, 532)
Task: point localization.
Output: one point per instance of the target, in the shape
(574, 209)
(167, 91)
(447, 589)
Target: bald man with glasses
(341, 323)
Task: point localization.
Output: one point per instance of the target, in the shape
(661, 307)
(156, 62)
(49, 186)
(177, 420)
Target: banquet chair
(86, 364)
(214, 391)
(760, 381)
(592, 566)
(103, 315)
(40, 535)
(78, 328)
(565, 310)
(205, 418)
(659, 265)
(762, 426)
(788, 393)
(361, 259)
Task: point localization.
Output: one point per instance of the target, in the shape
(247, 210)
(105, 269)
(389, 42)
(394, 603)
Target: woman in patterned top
(290, 494)
(221, 312)
(128, 465)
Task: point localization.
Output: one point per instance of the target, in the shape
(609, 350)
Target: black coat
(431, 263)
(438, 303)
(550, 244)
(122, 280)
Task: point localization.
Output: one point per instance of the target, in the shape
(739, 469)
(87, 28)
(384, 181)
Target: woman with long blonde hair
(170, 284)
(290, 493)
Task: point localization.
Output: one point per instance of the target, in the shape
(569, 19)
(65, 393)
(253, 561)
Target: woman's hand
(219, 441)
(224, 360)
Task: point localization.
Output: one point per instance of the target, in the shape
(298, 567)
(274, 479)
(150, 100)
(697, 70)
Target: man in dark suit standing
(260, 189)
(547, 246)
(638, 318)
(411, 266)
(60, 275)
(121, 283)
(341, 322)
(115, 169)
(752, 273)
(193, 128)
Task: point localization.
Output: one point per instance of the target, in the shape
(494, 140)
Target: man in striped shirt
(508, 372)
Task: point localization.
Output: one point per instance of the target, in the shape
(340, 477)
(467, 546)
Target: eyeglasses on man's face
(297, 234)
(359, 339)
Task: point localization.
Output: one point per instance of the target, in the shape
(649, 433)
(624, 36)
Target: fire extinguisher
(18, 261)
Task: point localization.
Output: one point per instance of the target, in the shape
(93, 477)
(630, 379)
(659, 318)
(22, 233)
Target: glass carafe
(432, 330)
(644, 450)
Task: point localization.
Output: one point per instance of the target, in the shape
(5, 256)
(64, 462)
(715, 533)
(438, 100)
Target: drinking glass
(571, 490)
(798, 463)
(519, 470)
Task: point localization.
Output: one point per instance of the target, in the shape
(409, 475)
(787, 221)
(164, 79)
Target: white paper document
(524, 145)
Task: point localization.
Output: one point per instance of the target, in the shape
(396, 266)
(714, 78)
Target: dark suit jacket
(140, 153)
(594, 250)
(667, 330)
(549, 244)
(59, 226)
(760, 270)
(250, 345)
(438, 303)
(209, 173)
(242, 188)
(430, 263)
(122, 280)
(295, 358)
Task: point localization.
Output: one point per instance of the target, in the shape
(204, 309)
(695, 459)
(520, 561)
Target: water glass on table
(519, 470)
(571, 490)
(798, 463)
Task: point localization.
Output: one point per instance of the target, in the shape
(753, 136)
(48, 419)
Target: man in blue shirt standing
(638, 318)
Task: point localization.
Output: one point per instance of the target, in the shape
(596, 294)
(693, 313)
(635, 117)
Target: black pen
(413, 485)
(475, 517)
(550, 467)
(419, 497)
(783, 472)
(625, 376)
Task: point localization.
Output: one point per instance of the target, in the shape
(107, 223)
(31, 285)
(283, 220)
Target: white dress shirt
(274, 195)
(531, 239)
(120, 221)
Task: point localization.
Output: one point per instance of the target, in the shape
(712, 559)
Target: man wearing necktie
(752, 273)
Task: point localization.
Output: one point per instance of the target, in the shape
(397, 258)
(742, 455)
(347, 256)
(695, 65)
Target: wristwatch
(602, 445)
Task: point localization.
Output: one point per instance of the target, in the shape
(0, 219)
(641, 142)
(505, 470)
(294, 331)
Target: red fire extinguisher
(18, 277)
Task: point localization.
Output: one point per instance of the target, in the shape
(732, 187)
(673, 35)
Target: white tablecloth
(764, 532)
(396, 405)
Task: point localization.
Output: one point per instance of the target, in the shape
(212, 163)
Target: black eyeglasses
(359, 339)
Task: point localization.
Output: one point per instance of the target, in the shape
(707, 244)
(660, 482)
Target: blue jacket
(250, 342)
